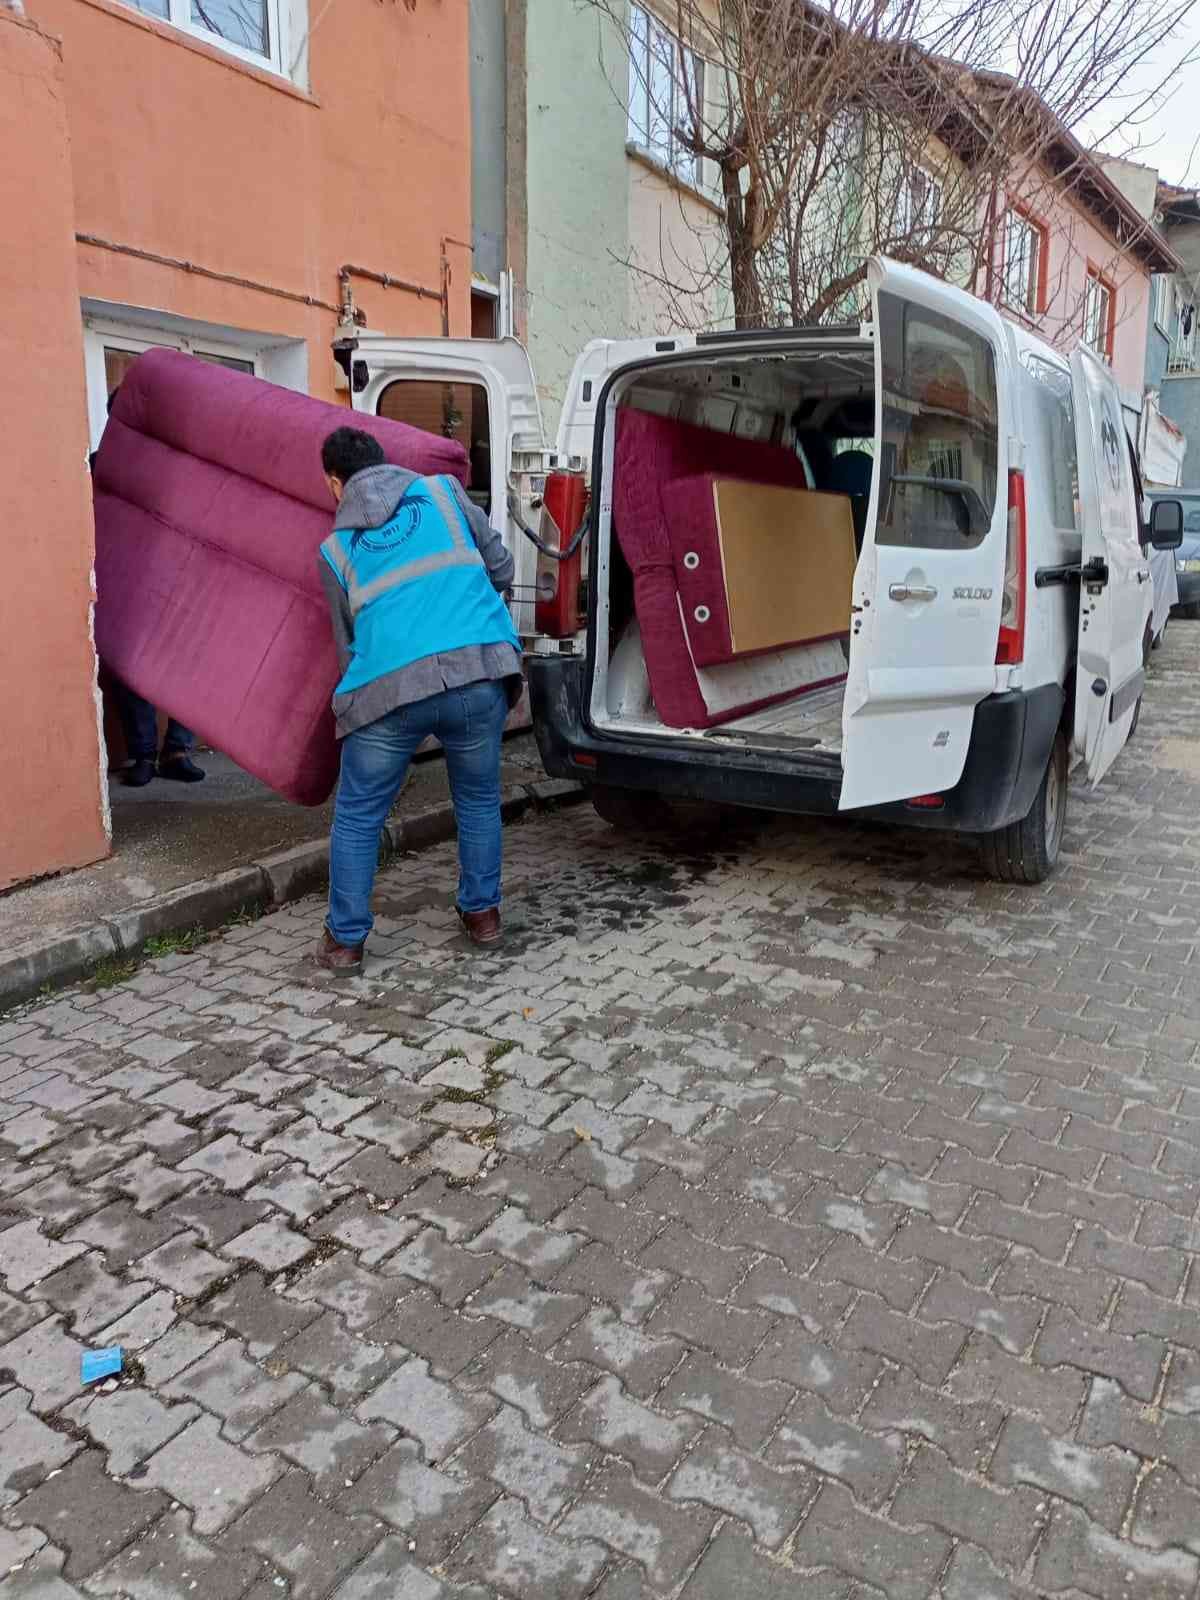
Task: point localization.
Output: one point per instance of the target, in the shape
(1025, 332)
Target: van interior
(739, 492)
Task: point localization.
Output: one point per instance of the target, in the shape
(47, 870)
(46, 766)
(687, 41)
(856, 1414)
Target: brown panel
(789, 562)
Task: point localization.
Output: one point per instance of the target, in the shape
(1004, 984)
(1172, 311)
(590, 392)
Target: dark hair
(112, 399)
(350, 450)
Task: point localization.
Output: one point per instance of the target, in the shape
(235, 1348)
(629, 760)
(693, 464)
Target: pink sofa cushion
(210, 505)
(658, 516)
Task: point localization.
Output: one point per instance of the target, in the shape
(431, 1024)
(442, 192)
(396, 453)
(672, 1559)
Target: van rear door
(1115, 590)
(929, 582)
(480, 391)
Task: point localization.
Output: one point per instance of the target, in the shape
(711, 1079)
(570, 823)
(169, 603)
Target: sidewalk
(195, 854)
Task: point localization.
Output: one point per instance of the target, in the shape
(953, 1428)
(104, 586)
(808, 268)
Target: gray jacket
(370, 500)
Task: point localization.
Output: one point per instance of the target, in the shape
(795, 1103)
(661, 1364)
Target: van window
(940, 450)
(1053, 408)
(454, 410)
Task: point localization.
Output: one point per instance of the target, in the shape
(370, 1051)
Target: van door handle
(906, 591)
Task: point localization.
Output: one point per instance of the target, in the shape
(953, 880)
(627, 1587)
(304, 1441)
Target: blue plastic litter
(101, 1363)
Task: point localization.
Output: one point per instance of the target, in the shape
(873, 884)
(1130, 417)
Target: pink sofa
(663, 514)
(210, 505)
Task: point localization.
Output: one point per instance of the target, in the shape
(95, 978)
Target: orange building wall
(185, 151)
(52, 800)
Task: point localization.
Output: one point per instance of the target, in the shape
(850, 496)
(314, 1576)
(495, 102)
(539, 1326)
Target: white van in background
(1000, 603)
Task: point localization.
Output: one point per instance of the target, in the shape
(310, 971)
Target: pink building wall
(1077, 243)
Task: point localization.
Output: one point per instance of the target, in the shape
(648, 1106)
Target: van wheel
(1027, 851)
(1190, 611)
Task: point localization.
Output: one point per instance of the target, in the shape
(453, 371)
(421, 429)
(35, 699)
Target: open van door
(594, 365)
(1115, 588)
(481, 392)
(930, 580)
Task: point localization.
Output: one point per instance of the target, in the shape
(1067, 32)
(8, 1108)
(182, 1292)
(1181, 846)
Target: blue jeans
(139, 722)
(469, 723)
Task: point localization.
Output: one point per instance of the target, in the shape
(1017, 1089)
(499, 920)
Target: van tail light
(1010, 647)
(560, 608)
(926, 802)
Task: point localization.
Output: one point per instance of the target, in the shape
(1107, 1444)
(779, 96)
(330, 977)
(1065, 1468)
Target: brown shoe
(482, 927)
(344, 959)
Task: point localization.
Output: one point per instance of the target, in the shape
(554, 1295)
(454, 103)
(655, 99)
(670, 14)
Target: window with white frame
(250, 29)
(1024, 247)
(1184, 356)
(666, 96)
(1099, 315)
(919, 202)
(1164, 301)
(114, 337)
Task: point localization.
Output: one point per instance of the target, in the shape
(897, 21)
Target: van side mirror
(1166, 524)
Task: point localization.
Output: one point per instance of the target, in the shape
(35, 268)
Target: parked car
(893, 570)
(1162, 562)
(1187, 557)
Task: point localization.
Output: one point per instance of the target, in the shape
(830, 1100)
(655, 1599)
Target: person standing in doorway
(139, 723)
(414, 574)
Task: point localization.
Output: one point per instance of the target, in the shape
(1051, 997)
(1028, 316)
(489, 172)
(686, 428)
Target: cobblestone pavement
(808, 1221)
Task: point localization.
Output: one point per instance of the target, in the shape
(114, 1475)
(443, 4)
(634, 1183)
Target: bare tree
(829, 133)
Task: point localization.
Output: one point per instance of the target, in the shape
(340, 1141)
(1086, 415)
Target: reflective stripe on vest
(463, 554)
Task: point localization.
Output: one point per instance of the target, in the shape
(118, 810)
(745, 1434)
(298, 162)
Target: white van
(974, 615)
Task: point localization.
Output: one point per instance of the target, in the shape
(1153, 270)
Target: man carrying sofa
(414, 574)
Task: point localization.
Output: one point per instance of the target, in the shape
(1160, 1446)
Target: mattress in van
(666, 522)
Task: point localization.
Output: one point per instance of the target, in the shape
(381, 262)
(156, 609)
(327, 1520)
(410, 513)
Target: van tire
(1027, 851)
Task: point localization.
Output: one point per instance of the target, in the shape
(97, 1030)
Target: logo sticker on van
(972, 594)
(942, 739)
(1109, 436)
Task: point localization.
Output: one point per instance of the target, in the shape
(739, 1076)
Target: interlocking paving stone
(873, 1277)
(91, 1295)
(129, 1423)
(29, 1450)
(90, 1515)
(652, 1442)
(541, 1389)
(426, 1408)
(168, 1560)
(333, 1448)
(545, 1475)
(517, 1557)
(428, 1505)
(330, 1353)
(226, 1381)
(663, 1538)
(212, 1477)
(27, 1256)
(731, 1569)
(602, 1339)
(313, 1545)
(718, 1474)
(899, 1561)
(1077, 1552)
(45, 1360)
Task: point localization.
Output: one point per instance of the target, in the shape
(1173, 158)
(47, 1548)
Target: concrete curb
(273, 881)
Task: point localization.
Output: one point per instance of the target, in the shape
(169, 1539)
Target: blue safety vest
(417, 586)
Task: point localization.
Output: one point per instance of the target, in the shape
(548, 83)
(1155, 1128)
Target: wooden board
(789, 561)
